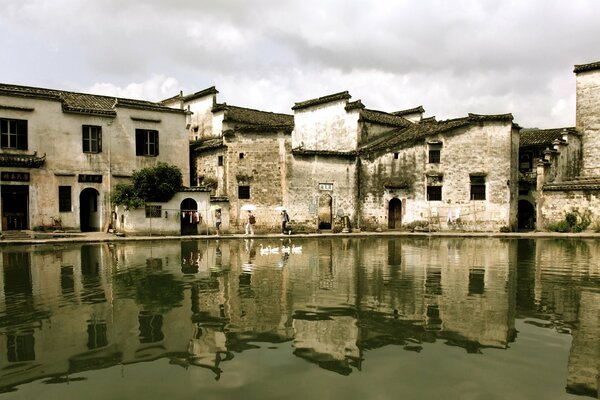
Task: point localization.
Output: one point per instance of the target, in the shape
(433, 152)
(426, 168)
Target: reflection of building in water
(584, 359)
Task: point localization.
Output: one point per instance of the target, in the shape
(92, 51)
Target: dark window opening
(434, 193)
(220, 161)
(64, 198)
(396, 155)
(146, 142)
(241, 156)
(476, 281)
(243, 192)
(477, 187)
(525, 162)
(435, 153)
(92, 138)
(97, 335)
(20, 347)
(153, 211)
(13, 134)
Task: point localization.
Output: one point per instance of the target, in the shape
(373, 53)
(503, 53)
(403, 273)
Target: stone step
(15, 235)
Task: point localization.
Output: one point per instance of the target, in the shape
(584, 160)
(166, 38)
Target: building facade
(62, 152)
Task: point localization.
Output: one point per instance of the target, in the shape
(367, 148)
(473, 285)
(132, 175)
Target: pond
(329, 318)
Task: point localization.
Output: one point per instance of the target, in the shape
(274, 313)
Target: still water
(410, 318)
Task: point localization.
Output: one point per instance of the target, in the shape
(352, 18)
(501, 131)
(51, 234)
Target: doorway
(15, 205)
(189, 217)
(395, 213)
(325, 212)
(526, 216)
(89, 215)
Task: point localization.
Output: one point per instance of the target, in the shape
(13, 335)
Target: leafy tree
(158, 183)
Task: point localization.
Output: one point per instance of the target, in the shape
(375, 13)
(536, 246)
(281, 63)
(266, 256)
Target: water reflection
(202, 303)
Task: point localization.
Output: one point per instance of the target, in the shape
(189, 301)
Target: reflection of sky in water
(344, 318)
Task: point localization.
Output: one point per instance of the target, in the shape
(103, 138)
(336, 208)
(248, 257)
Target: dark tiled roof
(22, 160)
(322, 100)
(354, 105)
(582, 183)
(249, 116)
(384, 118)
(415, 132)
(415, 110)
(207, 144)
(542, 137)
(83, 102)
(208, 91)
(490, 117)
(303, 152)
(587, 67)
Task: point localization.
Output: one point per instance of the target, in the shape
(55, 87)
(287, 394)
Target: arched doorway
(394, 213)
(526, 215)
(188, 216)
(89, 214)
(325, 213)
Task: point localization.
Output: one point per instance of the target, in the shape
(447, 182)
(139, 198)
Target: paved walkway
(92, 237)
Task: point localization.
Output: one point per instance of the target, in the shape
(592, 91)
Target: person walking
(285, 218)
(250, 223)
(218, 221)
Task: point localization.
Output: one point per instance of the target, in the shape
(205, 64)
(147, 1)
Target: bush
(574, 222)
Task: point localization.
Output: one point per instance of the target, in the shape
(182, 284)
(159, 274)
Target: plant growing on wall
(158, 183)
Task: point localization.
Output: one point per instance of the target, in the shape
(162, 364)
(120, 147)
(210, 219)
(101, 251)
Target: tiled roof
(254, 117)
(82, 102)
(415, 110)
(207, 144)
(542, 137)
(303, 152)
(322, 100)
(587, 67)
(208, 91)
(353, 105)
(583, 183)
(22, 160)
(384, 118)
(414, 133)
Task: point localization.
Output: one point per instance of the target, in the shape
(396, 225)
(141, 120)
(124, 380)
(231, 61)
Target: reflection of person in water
(251, 250)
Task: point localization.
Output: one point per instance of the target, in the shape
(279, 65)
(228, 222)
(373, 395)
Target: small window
(92, 138)
(97, 335)
(220, 161)
(396, 155)
(13, 133)
(525, 163)
(477, 187)
(64, 198)
(434, 193)
(146, 142)
(241, 156)
(153, 211)
(243, 192)
(435, 150)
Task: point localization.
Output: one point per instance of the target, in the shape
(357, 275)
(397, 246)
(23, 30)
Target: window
(435, 150)
(64, 198)
(146, 142)
(150, 327)
(525, 163)
(20, 347)
(434, 193)
(97, 335)
(92, 138)
(243, 192)
(220, 161)
(434, 187)
(13, 134)
(153, 211)
(241, 156)
(477, 187)
(396, 156)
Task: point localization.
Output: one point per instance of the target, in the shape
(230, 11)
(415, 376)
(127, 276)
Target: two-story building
(62, 152)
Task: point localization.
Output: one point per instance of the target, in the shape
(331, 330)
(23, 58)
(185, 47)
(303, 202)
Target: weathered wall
(588, 119)
(555, 204)
(263, 168)
(306, 173)
(326, 127)
(134, 221)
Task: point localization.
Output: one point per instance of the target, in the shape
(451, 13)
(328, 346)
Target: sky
(451, 57)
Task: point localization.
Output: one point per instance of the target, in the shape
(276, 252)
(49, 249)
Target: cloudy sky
(451, 57)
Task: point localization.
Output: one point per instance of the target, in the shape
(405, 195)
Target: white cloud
(155, 88)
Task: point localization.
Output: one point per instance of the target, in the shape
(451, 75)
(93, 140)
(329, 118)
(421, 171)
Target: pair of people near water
(251, 221)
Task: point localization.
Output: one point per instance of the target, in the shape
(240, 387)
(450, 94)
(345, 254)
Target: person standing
(250, 223)
(218, 221)
(285, 218)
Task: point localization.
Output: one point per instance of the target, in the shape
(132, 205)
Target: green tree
(158, 183)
